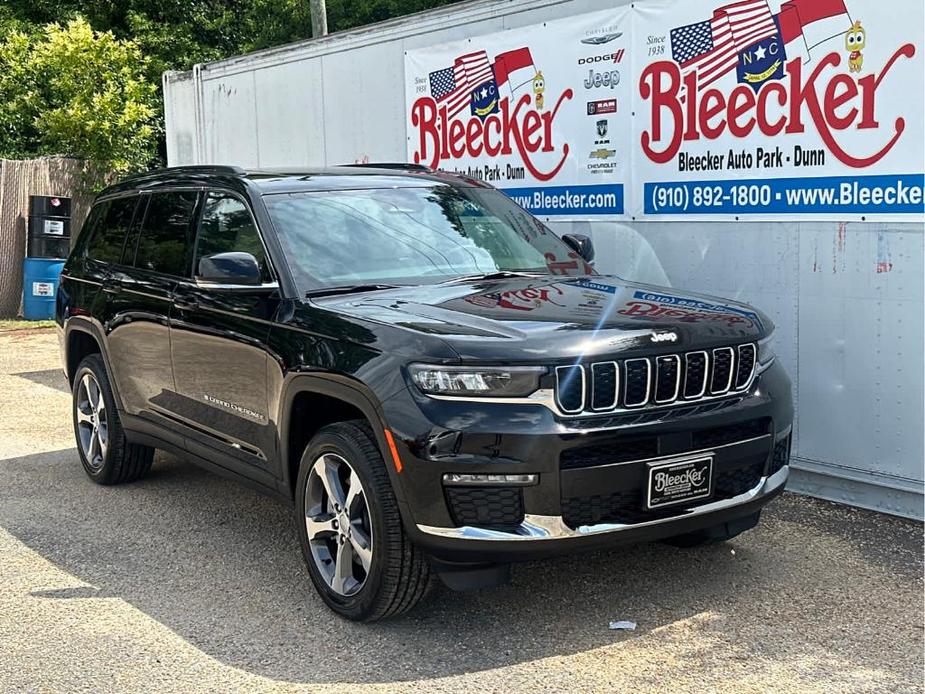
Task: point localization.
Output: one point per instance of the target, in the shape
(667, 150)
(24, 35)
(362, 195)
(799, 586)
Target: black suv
(436, 382)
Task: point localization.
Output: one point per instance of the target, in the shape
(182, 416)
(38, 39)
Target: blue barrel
(40, 277)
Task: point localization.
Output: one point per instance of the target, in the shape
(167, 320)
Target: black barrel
(49, 226)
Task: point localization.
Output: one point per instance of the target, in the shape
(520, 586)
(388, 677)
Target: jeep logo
(664, 337)
(608, 78)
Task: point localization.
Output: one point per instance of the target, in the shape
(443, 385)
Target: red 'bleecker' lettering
(679, 112)
(519, 128)
(647, 309)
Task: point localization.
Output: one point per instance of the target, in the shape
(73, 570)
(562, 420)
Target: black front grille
(668, 373)
(571, 388)
(731, 483)
(731, 433)
(618, 507)
(781, 455)
(671, 379)
(486, 506)
(695, 377)
(619, 451)
(746, 365)
(628, 505)
(722, 370)
(605, 377)
(637, 383)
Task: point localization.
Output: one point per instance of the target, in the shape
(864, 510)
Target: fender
(353, 393)
(95, 330)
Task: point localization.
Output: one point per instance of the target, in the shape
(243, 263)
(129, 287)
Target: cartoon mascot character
(539, 86)
(855, 42)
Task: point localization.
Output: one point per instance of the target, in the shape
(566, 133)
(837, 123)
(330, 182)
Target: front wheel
(358, 556)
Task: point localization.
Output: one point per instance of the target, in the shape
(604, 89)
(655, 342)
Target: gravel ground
(186, 582)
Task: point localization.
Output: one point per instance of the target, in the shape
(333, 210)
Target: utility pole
(319, 18)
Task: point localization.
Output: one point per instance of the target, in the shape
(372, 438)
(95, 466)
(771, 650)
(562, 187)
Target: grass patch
(7, 325)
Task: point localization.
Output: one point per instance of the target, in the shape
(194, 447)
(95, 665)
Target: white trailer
(846, 294)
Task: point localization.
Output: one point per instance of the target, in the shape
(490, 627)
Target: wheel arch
(81, 338)
(337, 399)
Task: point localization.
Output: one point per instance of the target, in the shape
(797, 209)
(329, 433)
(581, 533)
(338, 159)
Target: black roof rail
(208, 168)
(192, 169)
(398, 166)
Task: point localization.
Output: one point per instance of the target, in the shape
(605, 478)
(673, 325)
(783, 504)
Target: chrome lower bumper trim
(536, 527)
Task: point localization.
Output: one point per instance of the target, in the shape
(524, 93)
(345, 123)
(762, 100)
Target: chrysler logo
(664, 337)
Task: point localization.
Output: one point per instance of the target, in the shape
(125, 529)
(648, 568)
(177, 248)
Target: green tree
(82, 77)
(176, 34)
(74, 91)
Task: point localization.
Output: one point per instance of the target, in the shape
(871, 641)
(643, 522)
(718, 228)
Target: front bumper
(586, 498)
(544, 528)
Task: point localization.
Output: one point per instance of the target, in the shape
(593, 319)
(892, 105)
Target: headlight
(766, 354)
(482, 381)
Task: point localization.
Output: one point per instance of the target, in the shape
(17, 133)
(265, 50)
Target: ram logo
(664, 337)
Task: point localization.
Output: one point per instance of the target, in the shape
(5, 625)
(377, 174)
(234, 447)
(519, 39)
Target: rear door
(219, 345)
(140, 296)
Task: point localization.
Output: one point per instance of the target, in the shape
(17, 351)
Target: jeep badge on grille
(664, 337)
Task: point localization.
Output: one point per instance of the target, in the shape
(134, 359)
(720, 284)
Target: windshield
(412, 236)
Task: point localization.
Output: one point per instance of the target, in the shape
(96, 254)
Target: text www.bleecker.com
(601, 199)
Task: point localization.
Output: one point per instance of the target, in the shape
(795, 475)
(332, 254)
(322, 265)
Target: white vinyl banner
(769, 109)
(540, 112)
(687, 109)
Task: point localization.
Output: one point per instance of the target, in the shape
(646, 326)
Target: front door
(219, 346)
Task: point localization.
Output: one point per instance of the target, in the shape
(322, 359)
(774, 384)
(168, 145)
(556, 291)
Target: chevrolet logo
(603, 153)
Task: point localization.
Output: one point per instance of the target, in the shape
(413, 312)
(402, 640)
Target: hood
(557, 318)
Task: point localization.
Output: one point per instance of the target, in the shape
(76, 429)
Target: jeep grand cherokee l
(436, 382)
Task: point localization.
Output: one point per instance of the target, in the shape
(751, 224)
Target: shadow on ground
(50, 378)
(219, 565)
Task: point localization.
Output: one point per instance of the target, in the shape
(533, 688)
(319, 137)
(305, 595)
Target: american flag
(454, 85)
(712, 47)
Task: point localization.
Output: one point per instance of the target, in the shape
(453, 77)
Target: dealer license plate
(679, 481)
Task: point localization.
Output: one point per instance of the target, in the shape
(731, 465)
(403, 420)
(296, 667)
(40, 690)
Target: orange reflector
(393, 450)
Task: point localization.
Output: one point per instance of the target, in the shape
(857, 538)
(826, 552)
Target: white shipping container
(847, 297)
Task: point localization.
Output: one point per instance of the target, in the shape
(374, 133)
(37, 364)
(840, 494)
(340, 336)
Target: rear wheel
(106, 455)
(358, 556)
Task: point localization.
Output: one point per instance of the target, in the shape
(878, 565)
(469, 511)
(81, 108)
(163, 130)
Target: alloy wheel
(92, 421)
(338, 522)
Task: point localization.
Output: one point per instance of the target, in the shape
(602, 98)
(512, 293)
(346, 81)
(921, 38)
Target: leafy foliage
(176, 34)
(70, 90)
(82, 77)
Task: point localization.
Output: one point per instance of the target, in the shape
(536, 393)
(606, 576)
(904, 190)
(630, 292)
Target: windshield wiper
(349, 289)
(503, 274)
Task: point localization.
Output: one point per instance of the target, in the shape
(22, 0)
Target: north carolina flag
(815, 21)
(514, 68)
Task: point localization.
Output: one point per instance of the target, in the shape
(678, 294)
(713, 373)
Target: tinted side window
(227, 226)
(164, 240)
(90, 225)
(109, 234)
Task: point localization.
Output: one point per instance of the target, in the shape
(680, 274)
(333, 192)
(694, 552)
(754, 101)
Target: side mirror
(230, 268)
(582, 245)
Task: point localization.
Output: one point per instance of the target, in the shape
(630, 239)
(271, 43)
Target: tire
(110, 458)
(716, 534)
(386, 575)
